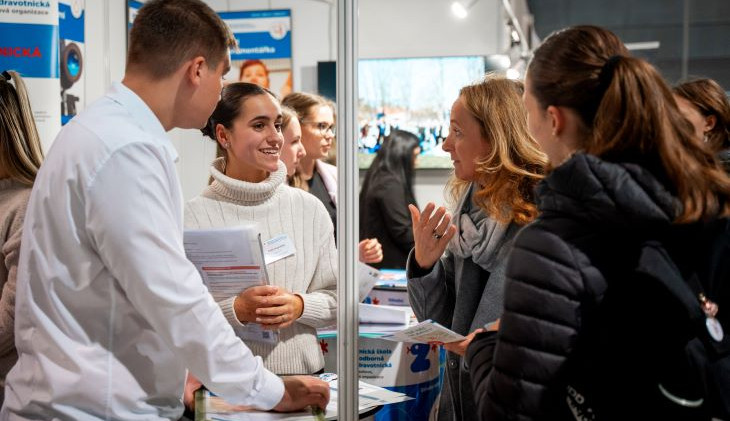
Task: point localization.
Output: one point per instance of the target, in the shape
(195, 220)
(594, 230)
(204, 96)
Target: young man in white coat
(110, 313)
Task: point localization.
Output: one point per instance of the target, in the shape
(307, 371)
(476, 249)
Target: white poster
(29, 34)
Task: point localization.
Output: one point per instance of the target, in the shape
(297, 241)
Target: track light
(460, 9)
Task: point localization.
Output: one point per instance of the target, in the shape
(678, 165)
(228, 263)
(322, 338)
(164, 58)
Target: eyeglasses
(322, 127)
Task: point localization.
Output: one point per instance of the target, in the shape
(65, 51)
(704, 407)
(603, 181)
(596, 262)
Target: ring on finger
(436, 235)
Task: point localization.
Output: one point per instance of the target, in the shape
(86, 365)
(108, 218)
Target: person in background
(109, 311)
(704, 103)
(254, 71)
(292, 151)
(20, 159)
(496, 166)
(385, 195)
(626, 168)
(317, 118)
(249, 185)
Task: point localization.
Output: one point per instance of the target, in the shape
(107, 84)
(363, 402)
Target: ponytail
(628, 114)
(637, 120)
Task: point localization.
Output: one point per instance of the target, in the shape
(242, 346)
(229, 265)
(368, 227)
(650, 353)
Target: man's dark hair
(166, 33)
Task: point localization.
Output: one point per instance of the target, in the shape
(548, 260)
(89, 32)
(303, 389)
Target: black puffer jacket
(593, 216)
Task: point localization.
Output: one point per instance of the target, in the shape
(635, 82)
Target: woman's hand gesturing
(432, 231)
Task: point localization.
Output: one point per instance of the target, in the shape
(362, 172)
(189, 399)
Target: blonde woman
(20, 158)
(496, 166)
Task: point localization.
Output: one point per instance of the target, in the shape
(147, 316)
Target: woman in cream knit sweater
(249, 184)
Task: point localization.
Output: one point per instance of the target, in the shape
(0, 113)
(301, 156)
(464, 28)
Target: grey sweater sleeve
(431, 293)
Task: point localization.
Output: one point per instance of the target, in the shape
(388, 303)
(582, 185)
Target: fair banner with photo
(30, 45)
(71, 16)
(264, 54)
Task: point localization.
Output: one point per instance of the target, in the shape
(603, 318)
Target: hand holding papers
(230, 260)
(425, 332)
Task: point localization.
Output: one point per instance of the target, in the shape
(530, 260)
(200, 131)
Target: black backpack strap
(655, 262)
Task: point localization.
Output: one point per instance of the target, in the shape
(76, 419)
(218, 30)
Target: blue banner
(255, 14)
(260, 45)
(31, 50)
(70, 27)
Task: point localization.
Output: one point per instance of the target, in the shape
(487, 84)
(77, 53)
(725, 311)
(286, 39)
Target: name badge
(277, 248)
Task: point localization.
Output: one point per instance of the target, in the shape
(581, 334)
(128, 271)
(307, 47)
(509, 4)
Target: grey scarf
(478, 236)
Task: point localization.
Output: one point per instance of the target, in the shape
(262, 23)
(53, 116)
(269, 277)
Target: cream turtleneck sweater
(310, 272)
(13, 201)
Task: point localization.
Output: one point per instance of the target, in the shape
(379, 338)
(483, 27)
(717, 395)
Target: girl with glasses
(317, 117)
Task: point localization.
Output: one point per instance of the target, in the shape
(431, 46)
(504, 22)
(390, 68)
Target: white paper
(369, 396)
(230, 260)
(425, 332)
(367, 276)
(369, 313)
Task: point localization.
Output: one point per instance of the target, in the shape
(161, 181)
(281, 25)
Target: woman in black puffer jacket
(626, 169)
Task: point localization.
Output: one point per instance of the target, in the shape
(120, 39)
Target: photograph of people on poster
(264, 49)
(264, 54)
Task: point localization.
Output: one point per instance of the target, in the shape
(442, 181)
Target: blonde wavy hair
(20, 146)
(507, 175)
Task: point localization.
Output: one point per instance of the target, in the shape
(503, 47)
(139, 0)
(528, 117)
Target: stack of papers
(392, 315)
(369, 396)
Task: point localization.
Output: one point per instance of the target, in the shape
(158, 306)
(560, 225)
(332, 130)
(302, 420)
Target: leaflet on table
(369, 396)
(425, 332)
(230, 260)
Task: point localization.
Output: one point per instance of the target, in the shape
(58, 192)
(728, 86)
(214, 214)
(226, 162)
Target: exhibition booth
(383, 66)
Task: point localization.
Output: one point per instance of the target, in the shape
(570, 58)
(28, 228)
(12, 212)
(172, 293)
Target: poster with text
(71, 50)
(264, 54)
(30, 43)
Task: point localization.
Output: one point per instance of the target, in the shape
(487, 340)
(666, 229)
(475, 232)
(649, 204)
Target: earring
(704, 138)
(227, 145)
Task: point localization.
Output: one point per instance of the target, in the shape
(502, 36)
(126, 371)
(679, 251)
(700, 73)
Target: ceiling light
(460, 9)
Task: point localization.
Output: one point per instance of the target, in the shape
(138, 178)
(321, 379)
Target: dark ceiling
(653, 20)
